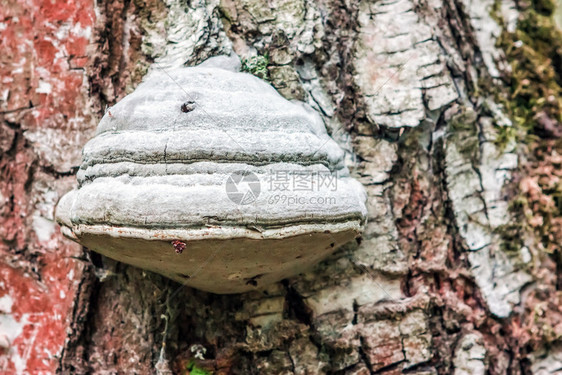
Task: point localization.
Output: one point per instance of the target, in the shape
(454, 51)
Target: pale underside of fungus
(208, 176)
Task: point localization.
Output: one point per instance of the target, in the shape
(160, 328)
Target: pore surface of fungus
(209, 177)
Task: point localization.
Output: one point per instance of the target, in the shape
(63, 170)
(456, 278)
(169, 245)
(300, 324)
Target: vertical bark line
(116, 63)
(339, 39)
(74, 355)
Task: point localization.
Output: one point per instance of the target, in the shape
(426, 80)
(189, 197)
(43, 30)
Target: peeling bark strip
(446, 279)
(400, 66)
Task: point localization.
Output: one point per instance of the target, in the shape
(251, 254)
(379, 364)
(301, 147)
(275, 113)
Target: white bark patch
(6, 303)
(407, 340)
(379, 249)
(10, 330)
(547, 362)
(45, 200)
(475, 190)
(186, 30)
(43, 228)
(53, 144)
(399, 64)
(470, 354)
(487, 31)
(44, 88)
(416, 338)
(360, 290)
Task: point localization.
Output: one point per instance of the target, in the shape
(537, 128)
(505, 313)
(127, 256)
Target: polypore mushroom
(209, 177)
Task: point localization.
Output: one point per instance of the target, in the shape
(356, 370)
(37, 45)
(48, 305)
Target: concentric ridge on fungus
(215, 159)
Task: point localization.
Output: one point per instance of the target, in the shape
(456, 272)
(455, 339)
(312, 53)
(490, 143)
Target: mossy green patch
(465, 132)
(257, 65)
(534, 52)
(533, 100)
(193, 369)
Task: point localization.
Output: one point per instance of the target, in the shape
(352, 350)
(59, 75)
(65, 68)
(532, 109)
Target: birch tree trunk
(449, 112)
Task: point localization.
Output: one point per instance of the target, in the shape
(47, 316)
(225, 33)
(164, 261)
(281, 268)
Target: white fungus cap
(251, 183)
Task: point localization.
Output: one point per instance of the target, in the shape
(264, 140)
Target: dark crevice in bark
(444, 340)
(81, 361)
(74, 358)
(49, 169)
(30, 174)
(296, 308)
(113, 66)
(17, 109)
(465, 41)
(363, 355)
(355, 313)
(18, 164)
(341, 23)
(17, 139)
(392, 368)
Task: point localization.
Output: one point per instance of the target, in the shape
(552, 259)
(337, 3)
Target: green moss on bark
(533, 100)
(534, 52)
(257, 65)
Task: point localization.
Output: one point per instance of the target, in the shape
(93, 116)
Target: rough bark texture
(450, 114)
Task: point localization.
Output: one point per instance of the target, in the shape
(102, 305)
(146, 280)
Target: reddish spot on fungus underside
(178, 246)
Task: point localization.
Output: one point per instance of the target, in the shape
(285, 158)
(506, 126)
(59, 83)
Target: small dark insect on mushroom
(253, 281)
(178, 246)
(188, 106)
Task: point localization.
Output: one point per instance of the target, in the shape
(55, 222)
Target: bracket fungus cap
(211, 178)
